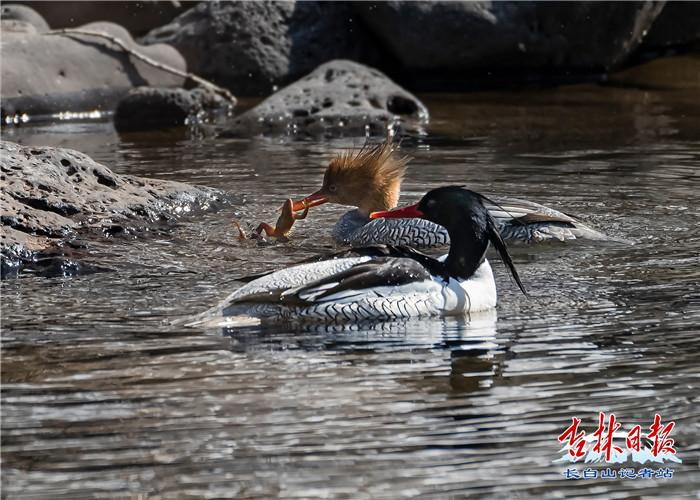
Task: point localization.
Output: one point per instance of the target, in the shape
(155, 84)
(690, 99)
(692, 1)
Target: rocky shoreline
(255, 48)
(56, 201)
(324, 68)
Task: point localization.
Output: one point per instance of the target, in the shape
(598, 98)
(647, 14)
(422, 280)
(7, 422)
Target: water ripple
(102, 398)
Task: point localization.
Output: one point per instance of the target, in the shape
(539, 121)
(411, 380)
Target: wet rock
(678, 25)
(137, 17)
(54, 199)
(463, 36)
(249, 47)
(147, 108)
(44, 74)
(22, 13)
(338, 98)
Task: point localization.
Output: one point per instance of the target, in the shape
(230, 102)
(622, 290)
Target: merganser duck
(370, 179)
(385, 282)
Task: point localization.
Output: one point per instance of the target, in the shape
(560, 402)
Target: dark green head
(469, 224)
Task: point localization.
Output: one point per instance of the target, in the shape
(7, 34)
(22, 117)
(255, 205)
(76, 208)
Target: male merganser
(370, 180)
(386, 282)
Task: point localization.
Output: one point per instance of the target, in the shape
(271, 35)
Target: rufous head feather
(368, 179)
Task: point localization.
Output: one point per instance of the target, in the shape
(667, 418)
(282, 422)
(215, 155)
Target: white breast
(477, 293)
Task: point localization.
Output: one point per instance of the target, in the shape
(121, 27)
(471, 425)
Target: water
(103, 399)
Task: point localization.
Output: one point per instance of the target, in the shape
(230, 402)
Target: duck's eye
(430, 203)
(332, 188)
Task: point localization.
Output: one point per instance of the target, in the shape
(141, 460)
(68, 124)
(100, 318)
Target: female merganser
(385, 282)
(371, 181)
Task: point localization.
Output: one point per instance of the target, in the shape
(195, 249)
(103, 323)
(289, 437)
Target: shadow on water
(102, 396)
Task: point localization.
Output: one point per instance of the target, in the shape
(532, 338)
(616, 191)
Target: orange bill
(318, 198)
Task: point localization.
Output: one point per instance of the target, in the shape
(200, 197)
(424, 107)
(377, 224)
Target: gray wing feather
(380, 272)
(271, 286)
(527, 221)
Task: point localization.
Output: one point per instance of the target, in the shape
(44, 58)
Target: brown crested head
(369, 179)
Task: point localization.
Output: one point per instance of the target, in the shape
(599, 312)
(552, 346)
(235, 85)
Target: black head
(469, 224)
(449, 206)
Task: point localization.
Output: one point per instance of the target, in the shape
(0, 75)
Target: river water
(102, 398)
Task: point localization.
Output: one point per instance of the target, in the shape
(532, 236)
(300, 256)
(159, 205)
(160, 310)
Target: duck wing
(377, 273)
(268, 289)
(398, 251)
(513, 210)
(522, 220)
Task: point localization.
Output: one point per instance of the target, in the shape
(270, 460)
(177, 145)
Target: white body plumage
(264, 298)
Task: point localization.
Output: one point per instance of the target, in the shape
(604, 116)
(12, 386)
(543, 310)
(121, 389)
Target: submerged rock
(147, 108)
(338, 98)
(55, 199)
(250, 47)
(45, 74)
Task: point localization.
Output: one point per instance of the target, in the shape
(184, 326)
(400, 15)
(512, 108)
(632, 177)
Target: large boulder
(146, 108)
(338, 98)
(250, 47)
(463, 36)
(45, 74)
(54, 200)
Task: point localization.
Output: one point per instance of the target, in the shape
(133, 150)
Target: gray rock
(16, 12)
(463, 36)
(54, 199)
(147, 108)
(17, 27)
(338, 98)
(44, 74)
(249, 47)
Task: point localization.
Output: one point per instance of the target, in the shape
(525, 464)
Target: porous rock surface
(338, 98)
(55, 199)
(44, 73)
(249, 47)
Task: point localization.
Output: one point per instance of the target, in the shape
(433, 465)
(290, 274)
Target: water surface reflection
(103, 397)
